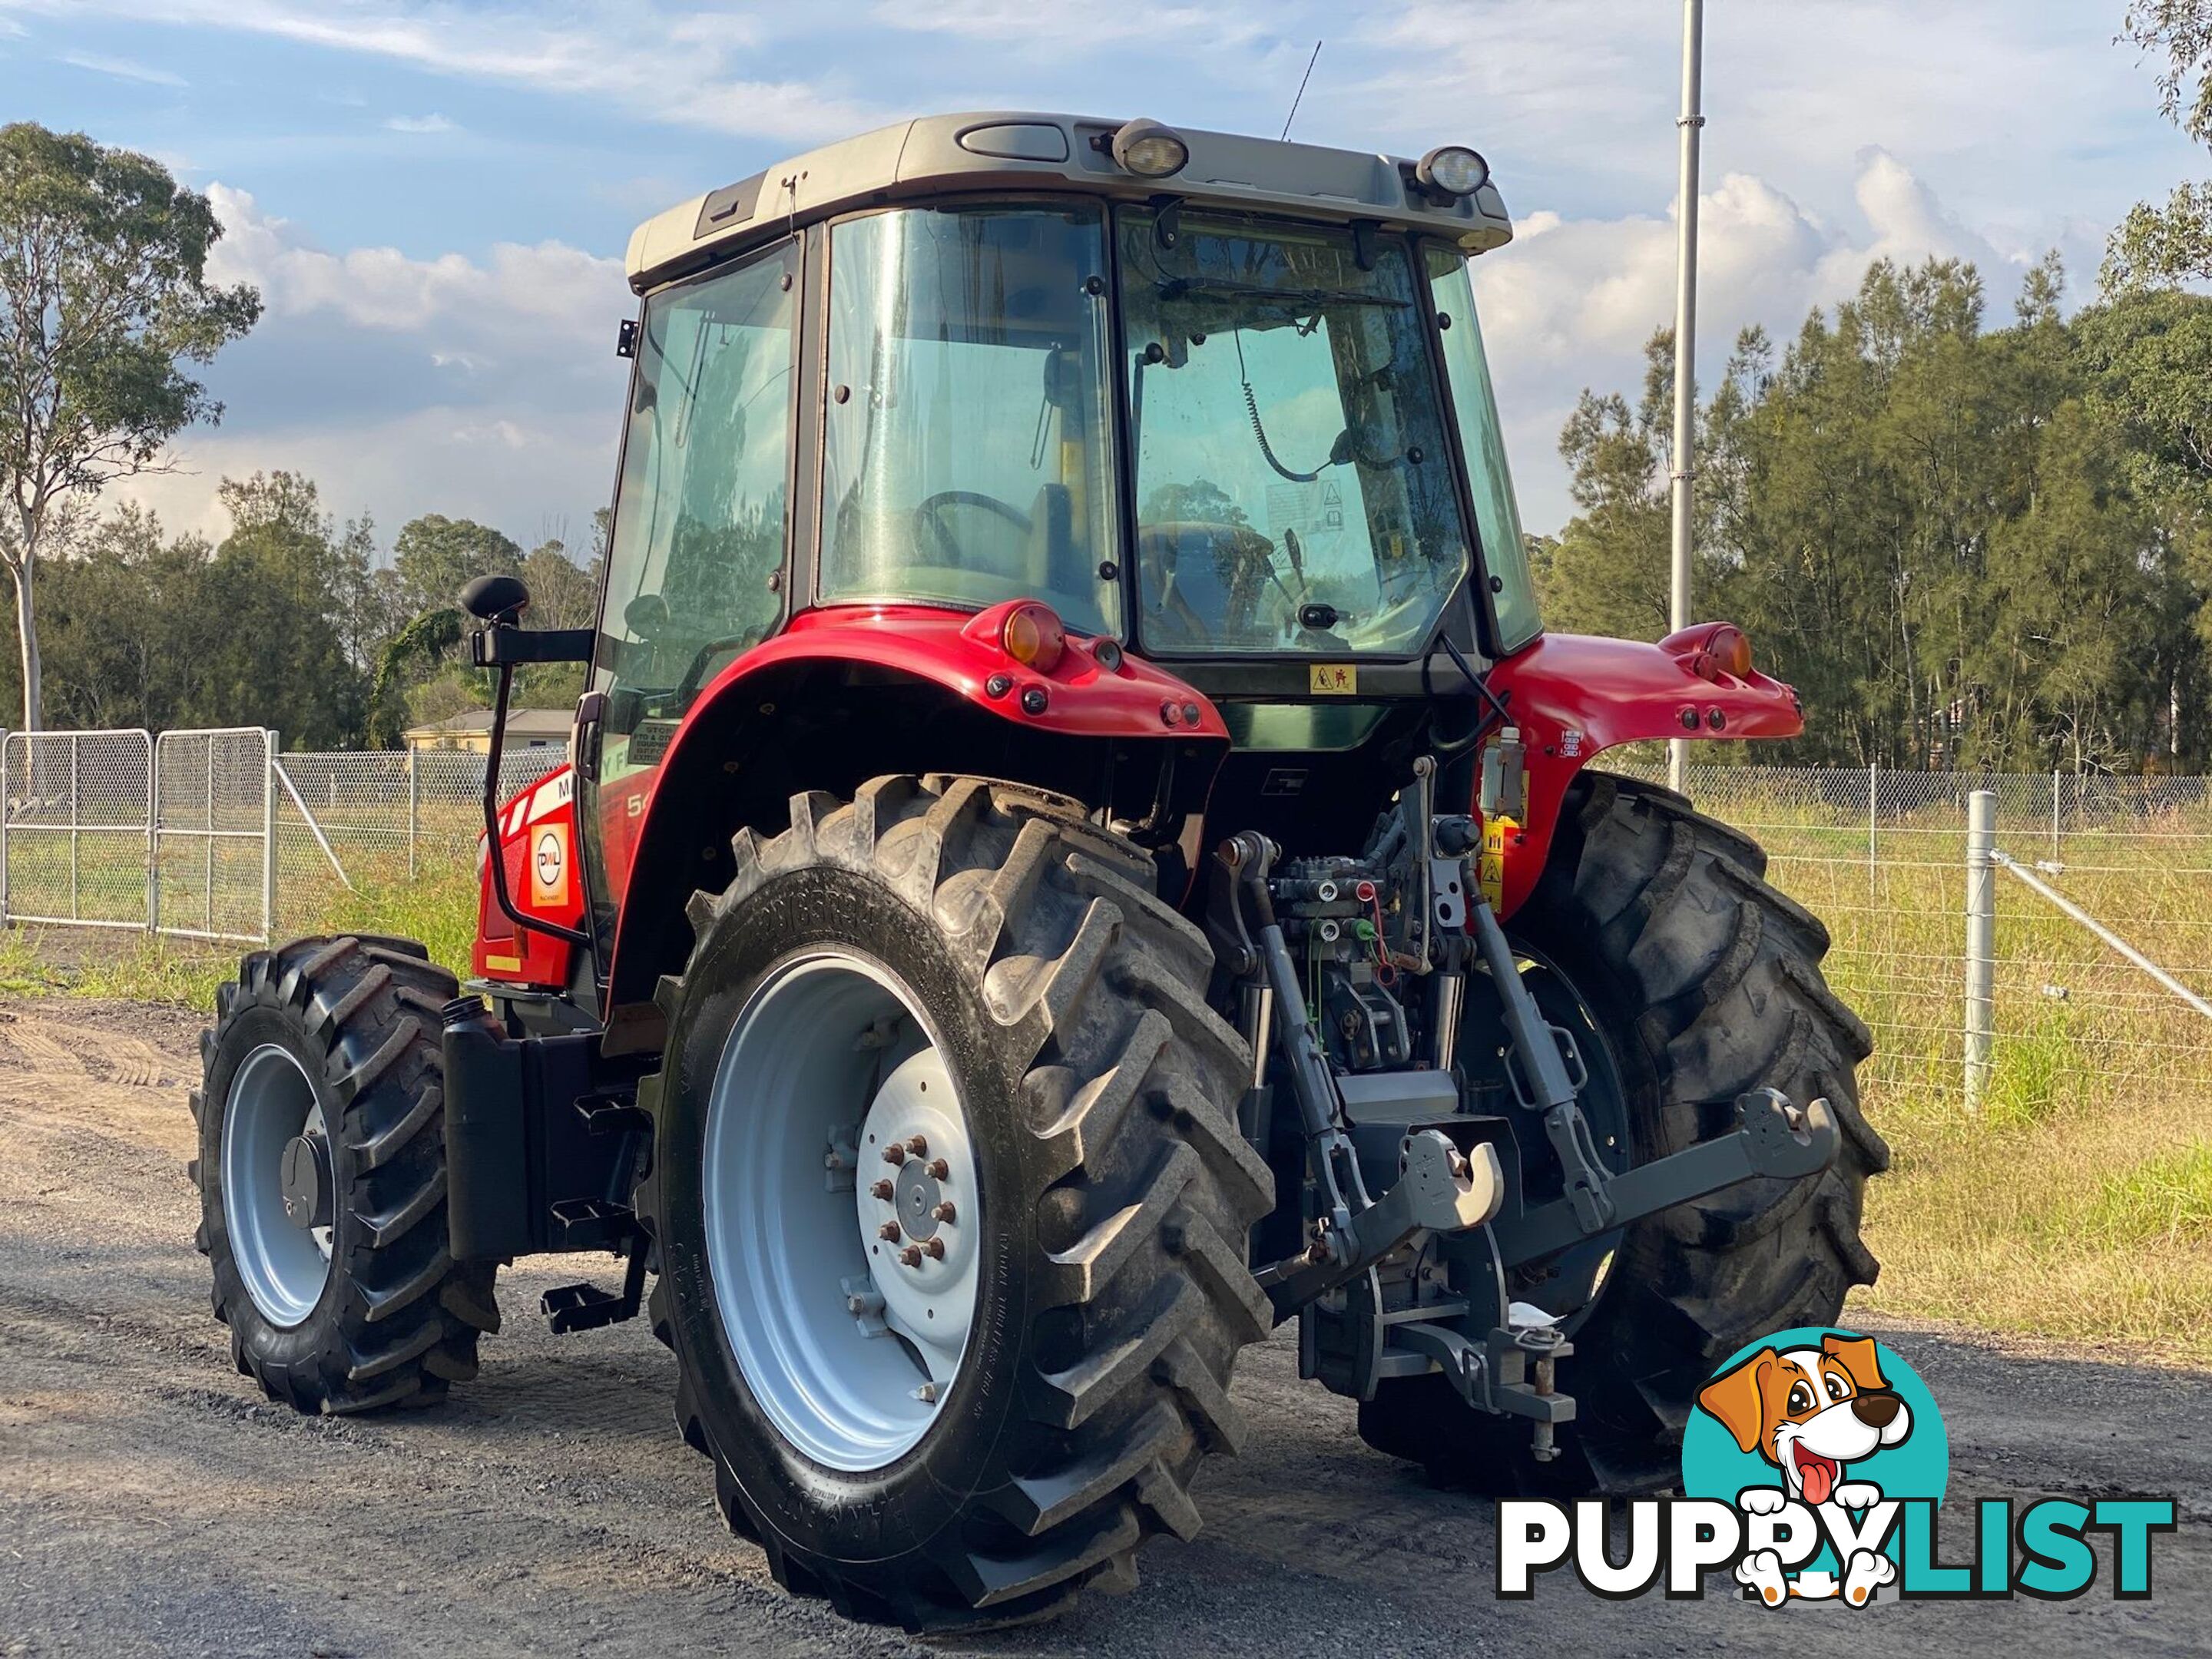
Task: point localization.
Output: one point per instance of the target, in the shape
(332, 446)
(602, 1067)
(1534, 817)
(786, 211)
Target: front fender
(1573, 694)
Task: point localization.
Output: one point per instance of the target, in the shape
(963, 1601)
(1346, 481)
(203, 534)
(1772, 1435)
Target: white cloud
(688, 68)
(485, 388)
(122, 68)
(421, 124)
(1569, 302)
(551, 295)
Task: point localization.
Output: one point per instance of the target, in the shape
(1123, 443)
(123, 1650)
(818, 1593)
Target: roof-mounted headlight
(1149, 150)
(1453, 170)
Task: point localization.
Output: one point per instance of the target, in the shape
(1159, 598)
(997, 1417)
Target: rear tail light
(1726, 651)
(1033, 636)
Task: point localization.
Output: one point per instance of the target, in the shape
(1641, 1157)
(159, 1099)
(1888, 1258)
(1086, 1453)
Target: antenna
(1302, 79)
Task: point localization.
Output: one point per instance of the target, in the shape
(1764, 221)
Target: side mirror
(497, 600)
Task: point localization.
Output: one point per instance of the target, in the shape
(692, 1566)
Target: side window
(1505, 553)
(700, 520)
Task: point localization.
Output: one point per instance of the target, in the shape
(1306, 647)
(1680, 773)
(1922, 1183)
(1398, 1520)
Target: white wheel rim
(849, 1340)
(284, 1267)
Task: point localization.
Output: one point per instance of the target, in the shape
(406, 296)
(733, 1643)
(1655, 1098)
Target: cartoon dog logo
(1811, 1412)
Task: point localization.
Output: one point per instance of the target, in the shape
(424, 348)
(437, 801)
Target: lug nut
(918, 1146)
(883, 1190)
(938, 1168)
(894, 1154)
(888, 1232)
(933, 1248)
(911, 1256)
(945, 1213)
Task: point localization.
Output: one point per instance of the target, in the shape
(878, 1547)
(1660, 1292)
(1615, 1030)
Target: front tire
(323, 1075)
(987, 936)
(1701, 981)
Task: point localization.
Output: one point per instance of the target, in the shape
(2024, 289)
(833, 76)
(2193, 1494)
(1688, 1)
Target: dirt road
(150, 1502)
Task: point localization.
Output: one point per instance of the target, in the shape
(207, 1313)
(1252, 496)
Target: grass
(2076, 1205)
(437, 905)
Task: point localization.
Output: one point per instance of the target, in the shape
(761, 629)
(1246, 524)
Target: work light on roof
(1149, 150)
(1453, 170)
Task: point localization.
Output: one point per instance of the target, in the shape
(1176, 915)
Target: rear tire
(1704, 981)
(1066, 1001)
(340, 1037)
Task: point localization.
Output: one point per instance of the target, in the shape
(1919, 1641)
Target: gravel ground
(151, 1501)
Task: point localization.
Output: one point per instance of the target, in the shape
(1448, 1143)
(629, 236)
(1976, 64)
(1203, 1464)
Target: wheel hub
(926, 1272)
(918, 1195)
(304, 1177)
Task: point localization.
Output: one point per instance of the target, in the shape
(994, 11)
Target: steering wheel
(930, 528)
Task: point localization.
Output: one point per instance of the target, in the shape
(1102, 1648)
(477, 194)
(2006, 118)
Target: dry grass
(2078, 1204)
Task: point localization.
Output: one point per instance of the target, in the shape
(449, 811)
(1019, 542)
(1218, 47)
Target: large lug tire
(1704, 981)
(1065, 1001)
(335, 1038)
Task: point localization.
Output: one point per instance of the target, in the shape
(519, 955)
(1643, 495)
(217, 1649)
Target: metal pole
(2077, 913)
(1683, 466)
(77, 749)
(1874, 796)
(2054, 815)
(208, 896)
(1981, 939)
(269, 836)
(153, 844)
(7, 811)
(413, 811)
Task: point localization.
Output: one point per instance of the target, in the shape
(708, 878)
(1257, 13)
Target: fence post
(269, 835)
(1873, 797)
(153, 842)
(2054, 815)
(76, 751)
(1981, 940)
(414, 810)
(7, 811)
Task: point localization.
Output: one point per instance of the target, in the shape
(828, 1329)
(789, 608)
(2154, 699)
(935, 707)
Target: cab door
(701, 534)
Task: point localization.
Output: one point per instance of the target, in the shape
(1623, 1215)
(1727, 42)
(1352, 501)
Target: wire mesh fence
(1880, 858)
(76, 827)
(211, 876)
(223, 836)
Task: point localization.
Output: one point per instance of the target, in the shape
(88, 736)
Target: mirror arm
(506, 646)
(495, 852)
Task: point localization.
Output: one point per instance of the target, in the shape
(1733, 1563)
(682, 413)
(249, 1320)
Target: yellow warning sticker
(1497, 833)
(1333, 679)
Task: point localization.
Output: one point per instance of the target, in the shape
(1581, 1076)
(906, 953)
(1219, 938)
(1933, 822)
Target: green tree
(2158, 246)
(102, 264)
(435, 557)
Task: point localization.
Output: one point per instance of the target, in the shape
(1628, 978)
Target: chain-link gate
(214, 872)
(77, 828)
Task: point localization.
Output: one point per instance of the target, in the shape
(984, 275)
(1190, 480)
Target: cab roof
(988, 150)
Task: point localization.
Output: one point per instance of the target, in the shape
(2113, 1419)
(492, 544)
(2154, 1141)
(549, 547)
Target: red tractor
(1078, 851)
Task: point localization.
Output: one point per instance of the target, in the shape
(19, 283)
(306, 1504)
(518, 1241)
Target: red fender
(1081, 696)
(1573, 694)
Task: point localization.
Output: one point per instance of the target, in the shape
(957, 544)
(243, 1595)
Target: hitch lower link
(1442, 1191)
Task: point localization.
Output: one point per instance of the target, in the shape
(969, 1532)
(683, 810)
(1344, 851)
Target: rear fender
(849, 694)
(1573, 695)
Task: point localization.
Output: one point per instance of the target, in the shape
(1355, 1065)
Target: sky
(433, 196)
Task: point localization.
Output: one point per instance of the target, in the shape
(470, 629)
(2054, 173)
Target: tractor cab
(1077, 849)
